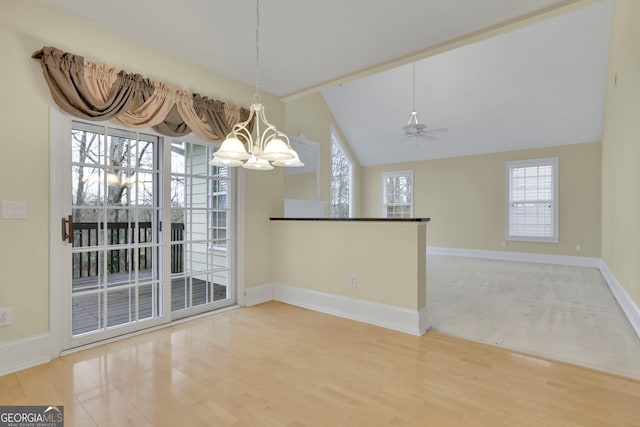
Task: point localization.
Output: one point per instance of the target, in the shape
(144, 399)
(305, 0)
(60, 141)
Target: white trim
(59, 127)
(576, 261)
(627, 305)
(27, 352)
(239, 225)
(424, 321)
(258, 294)
(415, 322)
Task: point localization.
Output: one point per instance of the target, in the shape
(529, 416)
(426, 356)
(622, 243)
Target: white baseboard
(39, 349)
(629, 308)
(258, 294)
(27, 353)
(424, 321)
(415, 322)
(576, 261)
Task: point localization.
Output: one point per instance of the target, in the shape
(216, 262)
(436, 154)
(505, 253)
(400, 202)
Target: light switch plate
(14, 210)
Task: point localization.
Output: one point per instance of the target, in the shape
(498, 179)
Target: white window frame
(345, 153)
(386, 175)
(551, 161)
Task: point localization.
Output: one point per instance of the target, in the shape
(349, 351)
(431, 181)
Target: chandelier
(269, 148)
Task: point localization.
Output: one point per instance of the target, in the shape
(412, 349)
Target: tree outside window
(341, 180)
(397, 194)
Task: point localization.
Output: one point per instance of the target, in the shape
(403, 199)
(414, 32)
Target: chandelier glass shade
(291, 163)
(268, 147)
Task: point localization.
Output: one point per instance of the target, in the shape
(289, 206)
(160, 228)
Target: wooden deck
(87, 309)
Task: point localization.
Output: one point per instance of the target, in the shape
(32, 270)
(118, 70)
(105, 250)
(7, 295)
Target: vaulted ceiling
(537, 86)
(542, 84)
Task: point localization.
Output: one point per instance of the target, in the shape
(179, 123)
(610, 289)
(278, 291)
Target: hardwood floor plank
(279, 365)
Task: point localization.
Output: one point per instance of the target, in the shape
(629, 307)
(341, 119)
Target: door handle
(68, 236)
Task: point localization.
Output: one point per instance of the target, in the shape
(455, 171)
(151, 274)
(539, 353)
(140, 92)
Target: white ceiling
(542, 84)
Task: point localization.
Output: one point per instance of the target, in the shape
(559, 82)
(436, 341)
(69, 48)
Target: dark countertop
(355, 219)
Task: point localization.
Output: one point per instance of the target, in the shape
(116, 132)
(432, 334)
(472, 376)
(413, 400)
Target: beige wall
(388, 259)
(311, 116)
(621, 151)
(26, 26)
(300, 186)
(465, 199)
(464, 196)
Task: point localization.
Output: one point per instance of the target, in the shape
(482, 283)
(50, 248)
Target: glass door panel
(125, 268)
(199, 230)
(116, 239)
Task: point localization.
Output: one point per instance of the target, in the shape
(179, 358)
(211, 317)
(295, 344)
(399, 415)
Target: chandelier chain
(258, 48)
(269, 148)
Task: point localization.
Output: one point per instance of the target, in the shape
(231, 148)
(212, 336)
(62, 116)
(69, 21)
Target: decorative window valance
(95, 91)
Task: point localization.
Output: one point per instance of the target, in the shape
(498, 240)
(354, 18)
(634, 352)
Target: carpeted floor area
(558, 312)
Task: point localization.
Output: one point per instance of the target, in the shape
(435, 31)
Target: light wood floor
(279, 365)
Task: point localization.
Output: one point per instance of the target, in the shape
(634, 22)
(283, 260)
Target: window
(532, 200)
(397, 197)
(341, 180)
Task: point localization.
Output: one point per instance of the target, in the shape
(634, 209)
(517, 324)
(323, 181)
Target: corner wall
(465, 199)
(311, 116)
(621, 151)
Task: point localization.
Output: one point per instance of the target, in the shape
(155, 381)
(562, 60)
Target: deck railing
(88, 234)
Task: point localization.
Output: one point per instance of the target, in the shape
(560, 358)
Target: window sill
(532, 239)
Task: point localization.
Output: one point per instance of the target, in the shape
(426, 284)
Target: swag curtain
(95, 91)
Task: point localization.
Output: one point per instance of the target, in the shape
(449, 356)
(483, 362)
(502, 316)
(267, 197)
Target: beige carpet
(558, 312)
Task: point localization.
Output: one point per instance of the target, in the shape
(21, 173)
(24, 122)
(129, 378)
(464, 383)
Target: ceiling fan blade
(439, 130)
(427, 137)
(422, 136)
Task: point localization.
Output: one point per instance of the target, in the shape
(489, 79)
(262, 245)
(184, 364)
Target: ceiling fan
(415, 129)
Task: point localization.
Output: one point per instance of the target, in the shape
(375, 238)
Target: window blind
(532, 199)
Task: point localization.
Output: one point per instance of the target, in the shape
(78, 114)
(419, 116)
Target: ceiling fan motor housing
(414, 128)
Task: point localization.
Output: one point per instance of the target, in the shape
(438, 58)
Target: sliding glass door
(149, 232)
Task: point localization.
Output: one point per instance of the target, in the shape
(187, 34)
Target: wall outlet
(503, 244)
(578, 248)
(5, 317)
(352, 280)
